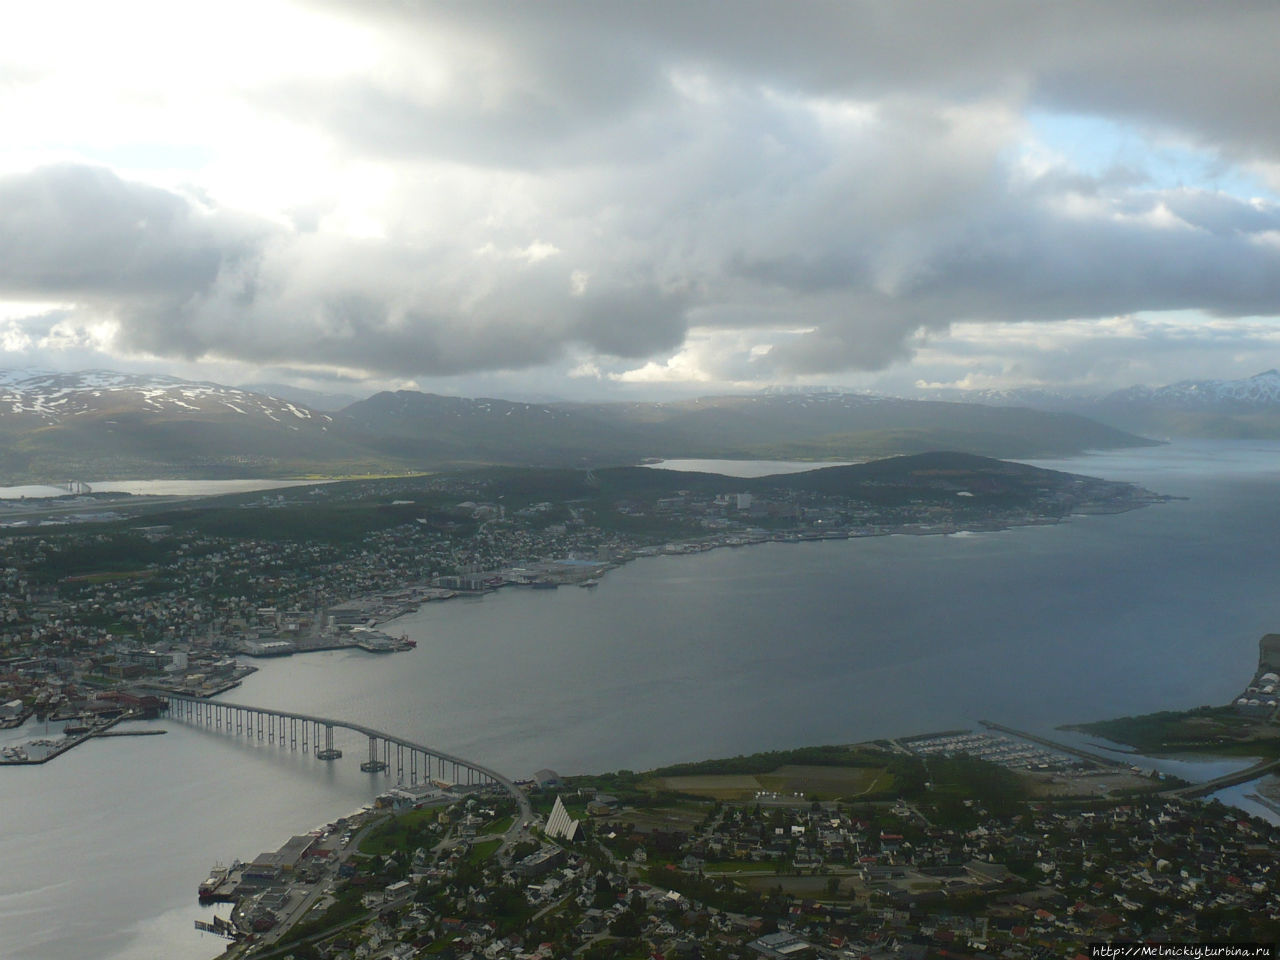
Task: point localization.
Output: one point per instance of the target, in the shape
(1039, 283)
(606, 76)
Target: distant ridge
(1248, 408)
(100, 424)
(758, 426)
(315, 399)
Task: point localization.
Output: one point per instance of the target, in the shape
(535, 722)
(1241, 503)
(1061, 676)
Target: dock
(70, 741)
(129, 733)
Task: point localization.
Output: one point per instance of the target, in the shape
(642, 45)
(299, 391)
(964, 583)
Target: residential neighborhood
(792, 877)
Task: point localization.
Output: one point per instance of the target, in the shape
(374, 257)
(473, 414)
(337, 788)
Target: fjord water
(677, 658)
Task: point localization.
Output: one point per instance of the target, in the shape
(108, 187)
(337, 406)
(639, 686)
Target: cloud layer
(656, 191)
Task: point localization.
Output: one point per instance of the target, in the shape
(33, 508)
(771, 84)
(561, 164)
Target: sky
(639, 200)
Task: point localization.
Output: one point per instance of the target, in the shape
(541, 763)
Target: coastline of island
(91, 580)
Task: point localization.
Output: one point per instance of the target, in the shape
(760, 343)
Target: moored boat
(211, 885)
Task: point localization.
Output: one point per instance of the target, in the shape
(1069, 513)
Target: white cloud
(653, 194)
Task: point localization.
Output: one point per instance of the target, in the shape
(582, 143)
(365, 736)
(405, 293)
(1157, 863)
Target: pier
(411, 762)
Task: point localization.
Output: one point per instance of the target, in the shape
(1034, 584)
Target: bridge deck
(372, 734)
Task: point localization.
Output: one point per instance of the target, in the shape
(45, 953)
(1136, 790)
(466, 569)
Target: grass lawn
(714, 786)
(815, 887)
(483, 851)
(827, 783)
(393, 835)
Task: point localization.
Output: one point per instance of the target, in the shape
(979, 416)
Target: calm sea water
(676, 658)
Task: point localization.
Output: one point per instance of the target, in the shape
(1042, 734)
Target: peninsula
(1249, 726)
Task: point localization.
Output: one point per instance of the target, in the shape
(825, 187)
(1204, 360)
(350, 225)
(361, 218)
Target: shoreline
(386, 607)
(589, 571)
(59, 748)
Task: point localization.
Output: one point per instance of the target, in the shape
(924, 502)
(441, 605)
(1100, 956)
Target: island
(145, 598)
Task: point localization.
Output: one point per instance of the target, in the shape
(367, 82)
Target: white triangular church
(560, 825)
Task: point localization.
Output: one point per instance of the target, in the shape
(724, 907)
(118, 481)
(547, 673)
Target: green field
(402, 832)
(826, 783)
(483, 850)
(1214, 730)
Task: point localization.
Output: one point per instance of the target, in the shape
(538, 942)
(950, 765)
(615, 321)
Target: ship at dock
(220, 885)
(375, 641)
(80, 725)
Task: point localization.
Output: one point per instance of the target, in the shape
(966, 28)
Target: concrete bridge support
(413, 762)
(330, 752)
(373, 764)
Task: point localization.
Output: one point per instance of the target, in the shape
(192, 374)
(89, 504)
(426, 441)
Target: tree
(605, 897)
(625, 924)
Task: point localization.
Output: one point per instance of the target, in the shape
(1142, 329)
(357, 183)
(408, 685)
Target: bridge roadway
(1259, 769)
(292, 729)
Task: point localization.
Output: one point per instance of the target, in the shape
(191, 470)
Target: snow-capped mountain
(1259, 391)
(102, 424)
(53, 397)
(1037, 398)
(107, 425)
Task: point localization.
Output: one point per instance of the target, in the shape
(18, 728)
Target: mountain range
(102, 424)
(1247, 408)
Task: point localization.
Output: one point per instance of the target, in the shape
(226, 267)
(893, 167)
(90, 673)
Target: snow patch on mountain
(1260, 390)
(53, 396)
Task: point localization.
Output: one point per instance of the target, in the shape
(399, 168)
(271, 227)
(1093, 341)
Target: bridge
(1259, 769)
(311, 734)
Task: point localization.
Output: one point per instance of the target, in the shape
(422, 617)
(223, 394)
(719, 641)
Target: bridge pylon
(289, 730)
(373, 764)
(330, 752)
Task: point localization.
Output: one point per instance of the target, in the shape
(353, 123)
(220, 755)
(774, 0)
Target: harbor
(44, 749)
